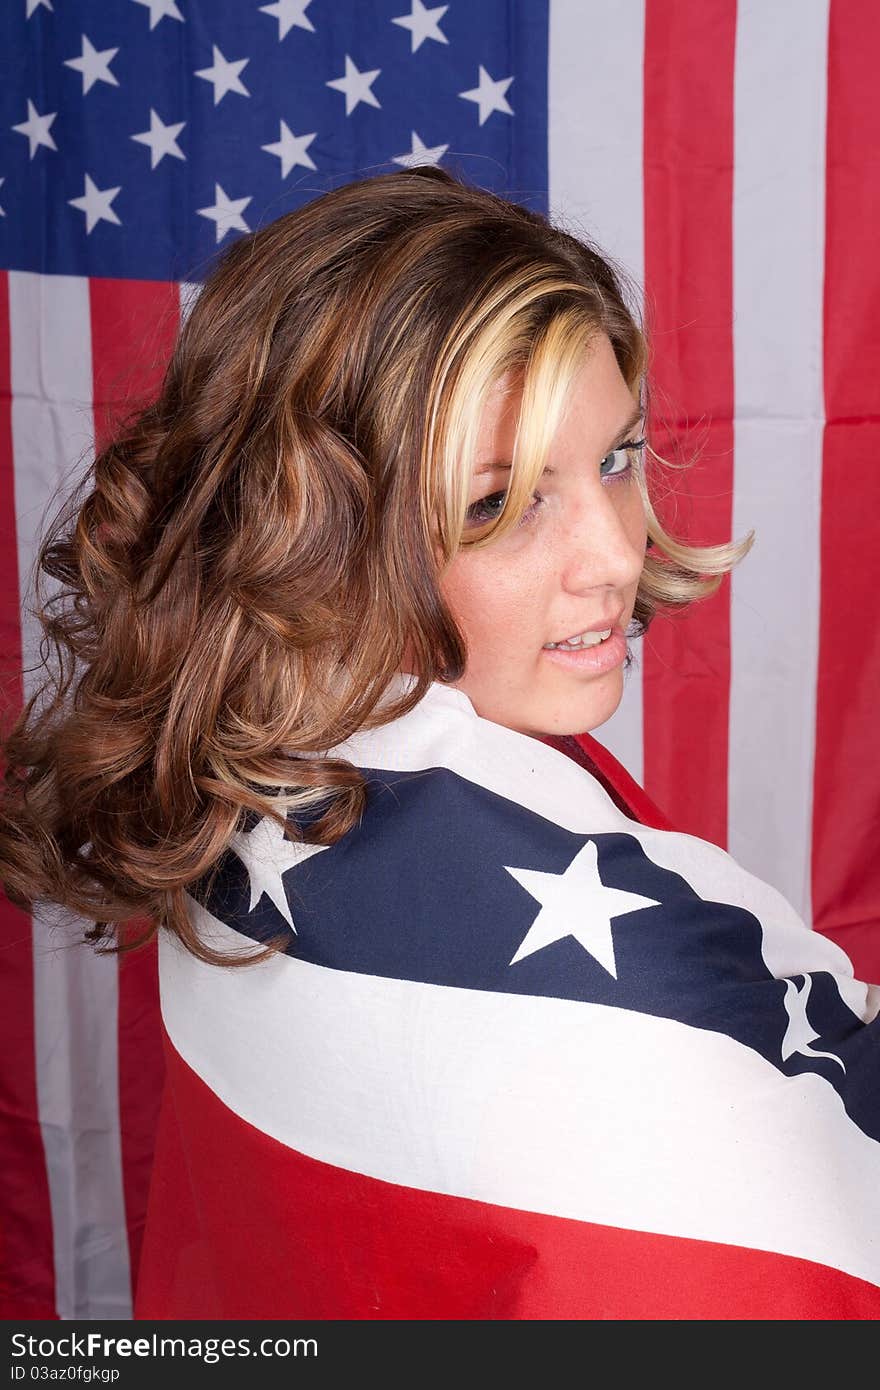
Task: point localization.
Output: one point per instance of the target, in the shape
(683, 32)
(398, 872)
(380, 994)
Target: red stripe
(240, 1226)
(141, 1077)
(27, 1266)
(134, 323)
(688, 201)
(846, 786)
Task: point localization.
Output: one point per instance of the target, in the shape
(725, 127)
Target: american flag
(523, 1057)
(724, 154)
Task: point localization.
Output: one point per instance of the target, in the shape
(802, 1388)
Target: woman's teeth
(586, 639)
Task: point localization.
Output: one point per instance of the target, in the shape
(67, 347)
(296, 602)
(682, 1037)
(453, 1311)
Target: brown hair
(242, 567)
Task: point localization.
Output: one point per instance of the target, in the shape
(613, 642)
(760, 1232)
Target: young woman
(453, 1030)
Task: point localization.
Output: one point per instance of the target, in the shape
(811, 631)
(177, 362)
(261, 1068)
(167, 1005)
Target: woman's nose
(603, 540)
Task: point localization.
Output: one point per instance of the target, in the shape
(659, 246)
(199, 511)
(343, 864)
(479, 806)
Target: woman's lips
(595, 660)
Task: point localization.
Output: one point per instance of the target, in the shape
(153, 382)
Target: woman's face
(572, 563)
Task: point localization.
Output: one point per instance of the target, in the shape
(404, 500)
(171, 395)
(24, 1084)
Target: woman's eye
(622, 457)
(489, 509)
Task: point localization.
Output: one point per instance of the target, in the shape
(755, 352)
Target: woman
(452, 1031)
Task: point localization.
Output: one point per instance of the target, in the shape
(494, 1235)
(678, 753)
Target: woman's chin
(580, 710)
(579, 713)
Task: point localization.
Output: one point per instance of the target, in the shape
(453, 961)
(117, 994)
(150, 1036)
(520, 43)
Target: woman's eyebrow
(504, 465)
(637, 414)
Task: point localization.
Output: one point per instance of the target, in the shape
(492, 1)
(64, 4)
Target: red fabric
(141, 1078)
(688, 168)
(241, 1226)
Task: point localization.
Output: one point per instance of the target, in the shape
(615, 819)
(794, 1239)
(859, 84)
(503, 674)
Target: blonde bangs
(545, 360)
(557, 357)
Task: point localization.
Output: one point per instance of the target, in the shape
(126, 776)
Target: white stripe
(75, 991)
(595, 118)
(188, 293)
(644, 1123)
(778, 210)
(595, 122)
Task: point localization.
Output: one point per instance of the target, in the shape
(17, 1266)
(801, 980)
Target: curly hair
(242, 567)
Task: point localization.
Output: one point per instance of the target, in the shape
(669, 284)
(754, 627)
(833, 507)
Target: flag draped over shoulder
(523, 1057)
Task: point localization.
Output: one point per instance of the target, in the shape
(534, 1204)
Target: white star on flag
(356, 86)
(422, 24)
(95, 203)
(291, 149)
(161, 138)
(161, 9)
(93, 66)
(576, 903)
(226, 212)
(420, 154)
(33, 4)
(2, 213)
(267, 855)
(36, 128)
(224, 75)
(288, 13)
(489, 95)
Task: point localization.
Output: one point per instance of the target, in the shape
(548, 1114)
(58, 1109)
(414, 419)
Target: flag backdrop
(725, 155)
